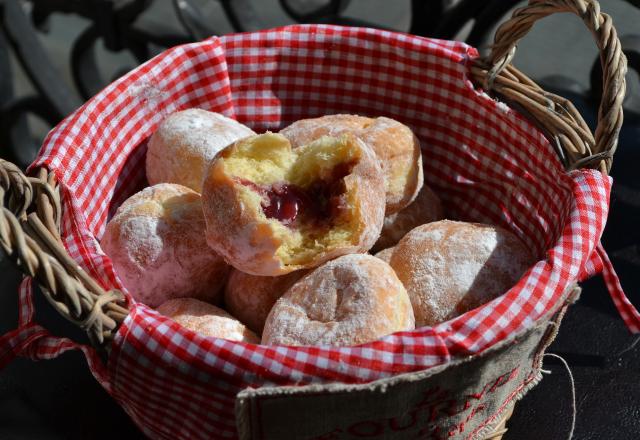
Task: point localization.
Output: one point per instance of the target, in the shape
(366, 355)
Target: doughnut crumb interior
(292, 208)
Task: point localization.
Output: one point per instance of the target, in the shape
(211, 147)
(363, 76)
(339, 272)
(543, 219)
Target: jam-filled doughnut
(425, 208)
(157, 246)
(206, 319)
(351, 300)
(394, 143)
(184, 144)
(271, 209)
(250, 297)
(449, 268)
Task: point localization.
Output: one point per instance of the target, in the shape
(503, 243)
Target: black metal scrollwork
(117, 25)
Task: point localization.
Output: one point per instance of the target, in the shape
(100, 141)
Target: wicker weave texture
(29, 220)
(556, 116)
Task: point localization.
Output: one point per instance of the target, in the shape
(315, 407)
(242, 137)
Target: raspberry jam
(318, 203)
(285, 202)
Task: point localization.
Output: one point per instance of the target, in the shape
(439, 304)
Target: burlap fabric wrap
(467, 398)
(488, 162)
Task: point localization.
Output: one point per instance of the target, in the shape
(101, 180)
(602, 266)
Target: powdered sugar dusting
(385, 254)
(424, 209)
(144, 235)
(305, 131)
(350, 300)
(205, 132)
(238, 228)
(206, 319)
(184, 144)
(157, 246)
(392, 142)
(420, 234)
(451, 267)
(250, 297)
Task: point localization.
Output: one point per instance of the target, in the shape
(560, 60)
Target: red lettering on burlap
(476, 410)
(455, 409)
(481, 394)
(503, 380)
(434, 401)
(432, 418)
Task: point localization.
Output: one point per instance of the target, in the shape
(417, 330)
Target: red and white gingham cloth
(487, 162)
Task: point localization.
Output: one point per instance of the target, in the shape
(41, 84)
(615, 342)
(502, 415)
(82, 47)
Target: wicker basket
(30, 235)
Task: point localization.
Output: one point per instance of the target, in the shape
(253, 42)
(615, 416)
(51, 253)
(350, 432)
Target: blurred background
(55, 54)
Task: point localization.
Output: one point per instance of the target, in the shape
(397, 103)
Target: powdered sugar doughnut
(351, 300)
(206, 319)
(394, 144)
(250, 298)
(426, 208)
(271, 209)
(184, 144)
(156, 242)
(449, 268)
(305, 131)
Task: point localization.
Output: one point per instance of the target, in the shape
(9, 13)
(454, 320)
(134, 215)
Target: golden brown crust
(157, 247)
(399, 152)
(394, 144)
(424, 209)
(351, 300)
(206, 319)
(385, 254)
(233, 229)
(449, 268)
(238, 231)
(305, 131)
(250, 298)
(185, 142)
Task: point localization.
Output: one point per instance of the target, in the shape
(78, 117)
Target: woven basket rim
(33, 206)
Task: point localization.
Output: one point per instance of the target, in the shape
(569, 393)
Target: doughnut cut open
(271, 209)
(393, 143)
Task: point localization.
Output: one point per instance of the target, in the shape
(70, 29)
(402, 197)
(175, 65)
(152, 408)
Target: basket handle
(555, 115)
(30, 236)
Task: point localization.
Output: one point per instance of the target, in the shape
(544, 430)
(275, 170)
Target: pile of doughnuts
(321, 234)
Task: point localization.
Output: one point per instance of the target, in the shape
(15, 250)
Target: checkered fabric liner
(485, 160)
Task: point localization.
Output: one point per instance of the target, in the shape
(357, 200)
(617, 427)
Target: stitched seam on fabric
(488, 426)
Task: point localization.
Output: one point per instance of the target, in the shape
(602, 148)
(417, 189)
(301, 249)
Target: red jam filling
(285, 202)
(319, 203)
